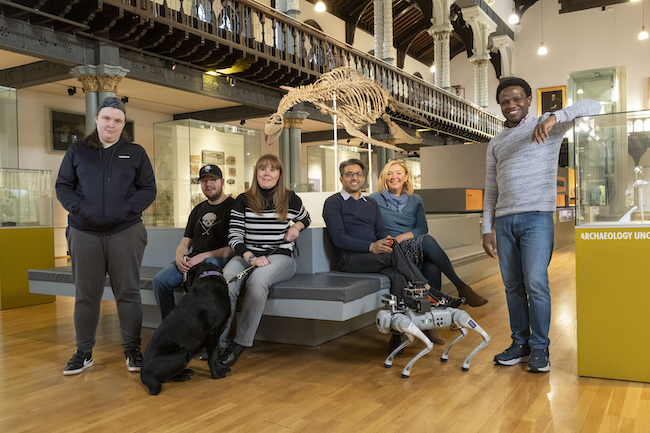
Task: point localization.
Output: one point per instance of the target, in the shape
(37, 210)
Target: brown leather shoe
(472, 298)
(434, 336)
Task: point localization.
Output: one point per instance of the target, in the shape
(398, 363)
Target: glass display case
(181, 148)
(25, 197)
(613, 169)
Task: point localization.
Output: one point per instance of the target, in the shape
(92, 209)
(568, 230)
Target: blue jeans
(168, 280)
(525, 246)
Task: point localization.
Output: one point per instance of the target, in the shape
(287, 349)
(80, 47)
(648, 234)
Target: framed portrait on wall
(550, 99)
(67, 127)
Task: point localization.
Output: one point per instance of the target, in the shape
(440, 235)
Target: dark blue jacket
(353, 224)
(105, 191)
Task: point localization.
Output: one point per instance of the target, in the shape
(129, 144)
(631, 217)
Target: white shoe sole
(513, 361)
(79, 370)
(134, 369)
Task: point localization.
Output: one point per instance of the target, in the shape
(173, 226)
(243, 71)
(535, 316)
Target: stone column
(481, 96)
(441, 36)
(506, 48)
(482, 26)
(98, 82)
(293, 124)
(441, 31)
(384, 31)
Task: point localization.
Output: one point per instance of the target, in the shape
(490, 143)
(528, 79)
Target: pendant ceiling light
(542, 49)
(514, 18)
(643, 34)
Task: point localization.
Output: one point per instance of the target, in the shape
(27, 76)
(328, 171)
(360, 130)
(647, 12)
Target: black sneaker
(514, 354)
(134, 360)
(78, 363)
(538, 361)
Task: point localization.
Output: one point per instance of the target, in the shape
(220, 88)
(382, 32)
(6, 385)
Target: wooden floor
(340, 386)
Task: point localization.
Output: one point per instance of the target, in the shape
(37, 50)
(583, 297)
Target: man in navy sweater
(362, 242)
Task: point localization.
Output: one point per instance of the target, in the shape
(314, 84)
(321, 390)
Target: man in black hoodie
(105, 183)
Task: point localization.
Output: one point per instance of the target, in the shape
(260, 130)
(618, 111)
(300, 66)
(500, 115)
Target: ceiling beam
(34, 74)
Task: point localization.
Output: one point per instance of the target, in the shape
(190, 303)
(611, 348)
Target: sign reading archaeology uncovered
(602, 235)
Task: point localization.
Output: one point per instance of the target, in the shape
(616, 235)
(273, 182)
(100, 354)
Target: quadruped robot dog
(415, 313)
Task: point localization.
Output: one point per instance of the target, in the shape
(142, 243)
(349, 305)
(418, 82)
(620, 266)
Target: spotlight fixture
(231, 81)
(170, 64)
(125, 99)
(514, 18)
(320, 7)
(242, 122)
(72, 91)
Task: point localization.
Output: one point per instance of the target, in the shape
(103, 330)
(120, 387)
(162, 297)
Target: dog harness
(210, 274)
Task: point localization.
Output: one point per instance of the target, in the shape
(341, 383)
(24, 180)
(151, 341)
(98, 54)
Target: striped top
(261, 234)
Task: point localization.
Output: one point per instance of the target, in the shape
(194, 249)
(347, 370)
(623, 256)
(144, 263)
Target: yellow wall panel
(22, 249)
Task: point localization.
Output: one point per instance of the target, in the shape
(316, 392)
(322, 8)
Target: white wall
(584, 40)
(34, 138)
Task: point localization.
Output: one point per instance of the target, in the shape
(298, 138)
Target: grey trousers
(92, 257)
(256, 293)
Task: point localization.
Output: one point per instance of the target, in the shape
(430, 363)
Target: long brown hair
(280, 195)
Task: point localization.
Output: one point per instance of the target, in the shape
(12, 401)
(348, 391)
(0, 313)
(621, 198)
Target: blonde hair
(280, 195)
(382, 183)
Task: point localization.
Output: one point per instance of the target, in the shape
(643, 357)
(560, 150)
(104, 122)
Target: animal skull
(273, 128)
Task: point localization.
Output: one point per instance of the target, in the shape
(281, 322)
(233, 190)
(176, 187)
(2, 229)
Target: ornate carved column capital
(106, 77)
(108, 83)
(89, 83)
(293, 123)
(293, 119)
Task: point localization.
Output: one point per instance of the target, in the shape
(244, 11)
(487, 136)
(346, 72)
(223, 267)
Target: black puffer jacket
(105, 191)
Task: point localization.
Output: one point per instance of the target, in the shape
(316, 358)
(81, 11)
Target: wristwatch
(250, 258)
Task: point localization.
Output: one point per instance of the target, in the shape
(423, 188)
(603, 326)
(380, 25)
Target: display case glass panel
(613, 169)
(181, 148)
(8, 128)
(25, 198)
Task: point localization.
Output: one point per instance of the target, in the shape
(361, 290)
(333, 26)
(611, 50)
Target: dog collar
(210, 274)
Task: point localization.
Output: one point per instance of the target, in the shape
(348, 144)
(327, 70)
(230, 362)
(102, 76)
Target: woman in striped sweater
(264, 223)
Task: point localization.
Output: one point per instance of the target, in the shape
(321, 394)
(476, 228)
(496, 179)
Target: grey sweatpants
(92, 257)
(257, 285)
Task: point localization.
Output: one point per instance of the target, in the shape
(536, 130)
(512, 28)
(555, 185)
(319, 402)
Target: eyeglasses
(350, 174)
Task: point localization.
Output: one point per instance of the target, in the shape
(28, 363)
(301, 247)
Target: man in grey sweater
(519, 201)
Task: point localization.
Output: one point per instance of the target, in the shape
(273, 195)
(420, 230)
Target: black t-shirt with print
(208, 226)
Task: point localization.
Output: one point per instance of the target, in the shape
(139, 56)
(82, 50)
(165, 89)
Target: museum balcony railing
(269, 47)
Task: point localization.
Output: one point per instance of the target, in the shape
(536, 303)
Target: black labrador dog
(196, 322)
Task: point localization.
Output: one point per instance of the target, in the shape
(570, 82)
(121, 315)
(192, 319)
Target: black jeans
(395, 265)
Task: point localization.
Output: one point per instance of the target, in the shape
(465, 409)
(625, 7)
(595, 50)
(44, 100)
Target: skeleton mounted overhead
(359, 101)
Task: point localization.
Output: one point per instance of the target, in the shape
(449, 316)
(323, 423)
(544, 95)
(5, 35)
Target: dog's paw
(183, 376)
(220, 373)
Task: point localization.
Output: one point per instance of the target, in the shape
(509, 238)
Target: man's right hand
(381, 246)
(490, 245)
(182, 265)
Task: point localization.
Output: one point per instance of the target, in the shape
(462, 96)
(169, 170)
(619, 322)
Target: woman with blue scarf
(404, 218)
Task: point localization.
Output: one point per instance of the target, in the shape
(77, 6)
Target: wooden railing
(261, 31)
